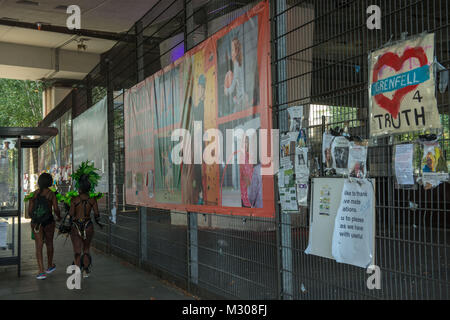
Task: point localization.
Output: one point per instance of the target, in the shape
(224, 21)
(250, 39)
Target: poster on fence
(3, 234)
(402, 87)
(342, 220)
(325, 199)
(197, 132)
(434, 167)
(403, 163)
(302, 175)
(354, 234)
(90, 141)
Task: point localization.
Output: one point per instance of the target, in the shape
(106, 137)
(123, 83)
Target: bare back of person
(82, 207)
(82, 228)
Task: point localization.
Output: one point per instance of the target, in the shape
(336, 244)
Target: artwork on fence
(55, 155)
(286, 174)
(90, 140)
(434, 166)
(193, 130)
(402, 88)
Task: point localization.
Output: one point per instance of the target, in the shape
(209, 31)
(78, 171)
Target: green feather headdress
(89, 170)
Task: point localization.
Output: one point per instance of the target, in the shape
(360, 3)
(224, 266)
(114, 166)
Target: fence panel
(326, 64)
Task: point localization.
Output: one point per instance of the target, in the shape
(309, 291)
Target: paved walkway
(111, 278)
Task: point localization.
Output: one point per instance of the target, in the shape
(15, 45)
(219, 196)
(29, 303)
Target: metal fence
(319, 60)
(328, 74)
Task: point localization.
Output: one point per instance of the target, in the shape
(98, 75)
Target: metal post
(192, 224)
(284, 236)
(185, 27)
(188, 25)
(143, 256)
(140, 51)
(275, 125)
(88, 92)
(193, 246)
(322, 170)
(111, 167)
(19, 206)
(142, 239)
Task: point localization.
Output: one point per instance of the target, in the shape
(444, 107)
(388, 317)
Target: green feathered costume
(84, 169)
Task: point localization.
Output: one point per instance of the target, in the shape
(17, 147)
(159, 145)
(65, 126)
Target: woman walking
(82, 231)
(43, 222)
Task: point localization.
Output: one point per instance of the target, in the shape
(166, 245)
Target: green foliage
(20, 103)
(98, 93)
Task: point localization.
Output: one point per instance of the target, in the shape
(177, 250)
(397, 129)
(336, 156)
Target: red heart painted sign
(392, 60)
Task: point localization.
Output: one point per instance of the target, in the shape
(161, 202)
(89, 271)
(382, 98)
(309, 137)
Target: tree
(20, 103)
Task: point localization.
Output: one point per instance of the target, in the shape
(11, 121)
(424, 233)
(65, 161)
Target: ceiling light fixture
(81, 46)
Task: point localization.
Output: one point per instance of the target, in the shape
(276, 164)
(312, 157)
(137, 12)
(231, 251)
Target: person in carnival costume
(81, 204)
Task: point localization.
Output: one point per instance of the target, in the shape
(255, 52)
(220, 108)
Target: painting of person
(341, 157)
(168, 176)
(193, 184)
(358, 170)
(301, 159)
(246, 172)
(255, 188)
(441, 163)
(328, 158)
(4, 150)
(160, 103)
(150, 183)
(429, 163)
(198, 116)
(234, 79)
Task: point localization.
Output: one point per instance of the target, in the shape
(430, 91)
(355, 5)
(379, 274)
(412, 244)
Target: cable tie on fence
(443, 75)
(428, 137)
(404, 35)
(413, 206)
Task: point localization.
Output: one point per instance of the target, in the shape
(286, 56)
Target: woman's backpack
(42, 210)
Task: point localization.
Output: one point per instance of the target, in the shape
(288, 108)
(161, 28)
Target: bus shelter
(12, 142)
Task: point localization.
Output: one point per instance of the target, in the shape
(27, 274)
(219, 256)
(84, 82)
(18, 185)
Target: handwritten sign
(402, 88)
(353, 236)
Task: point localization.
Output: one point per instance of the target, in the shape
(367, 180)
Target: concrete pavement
(111, 278)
